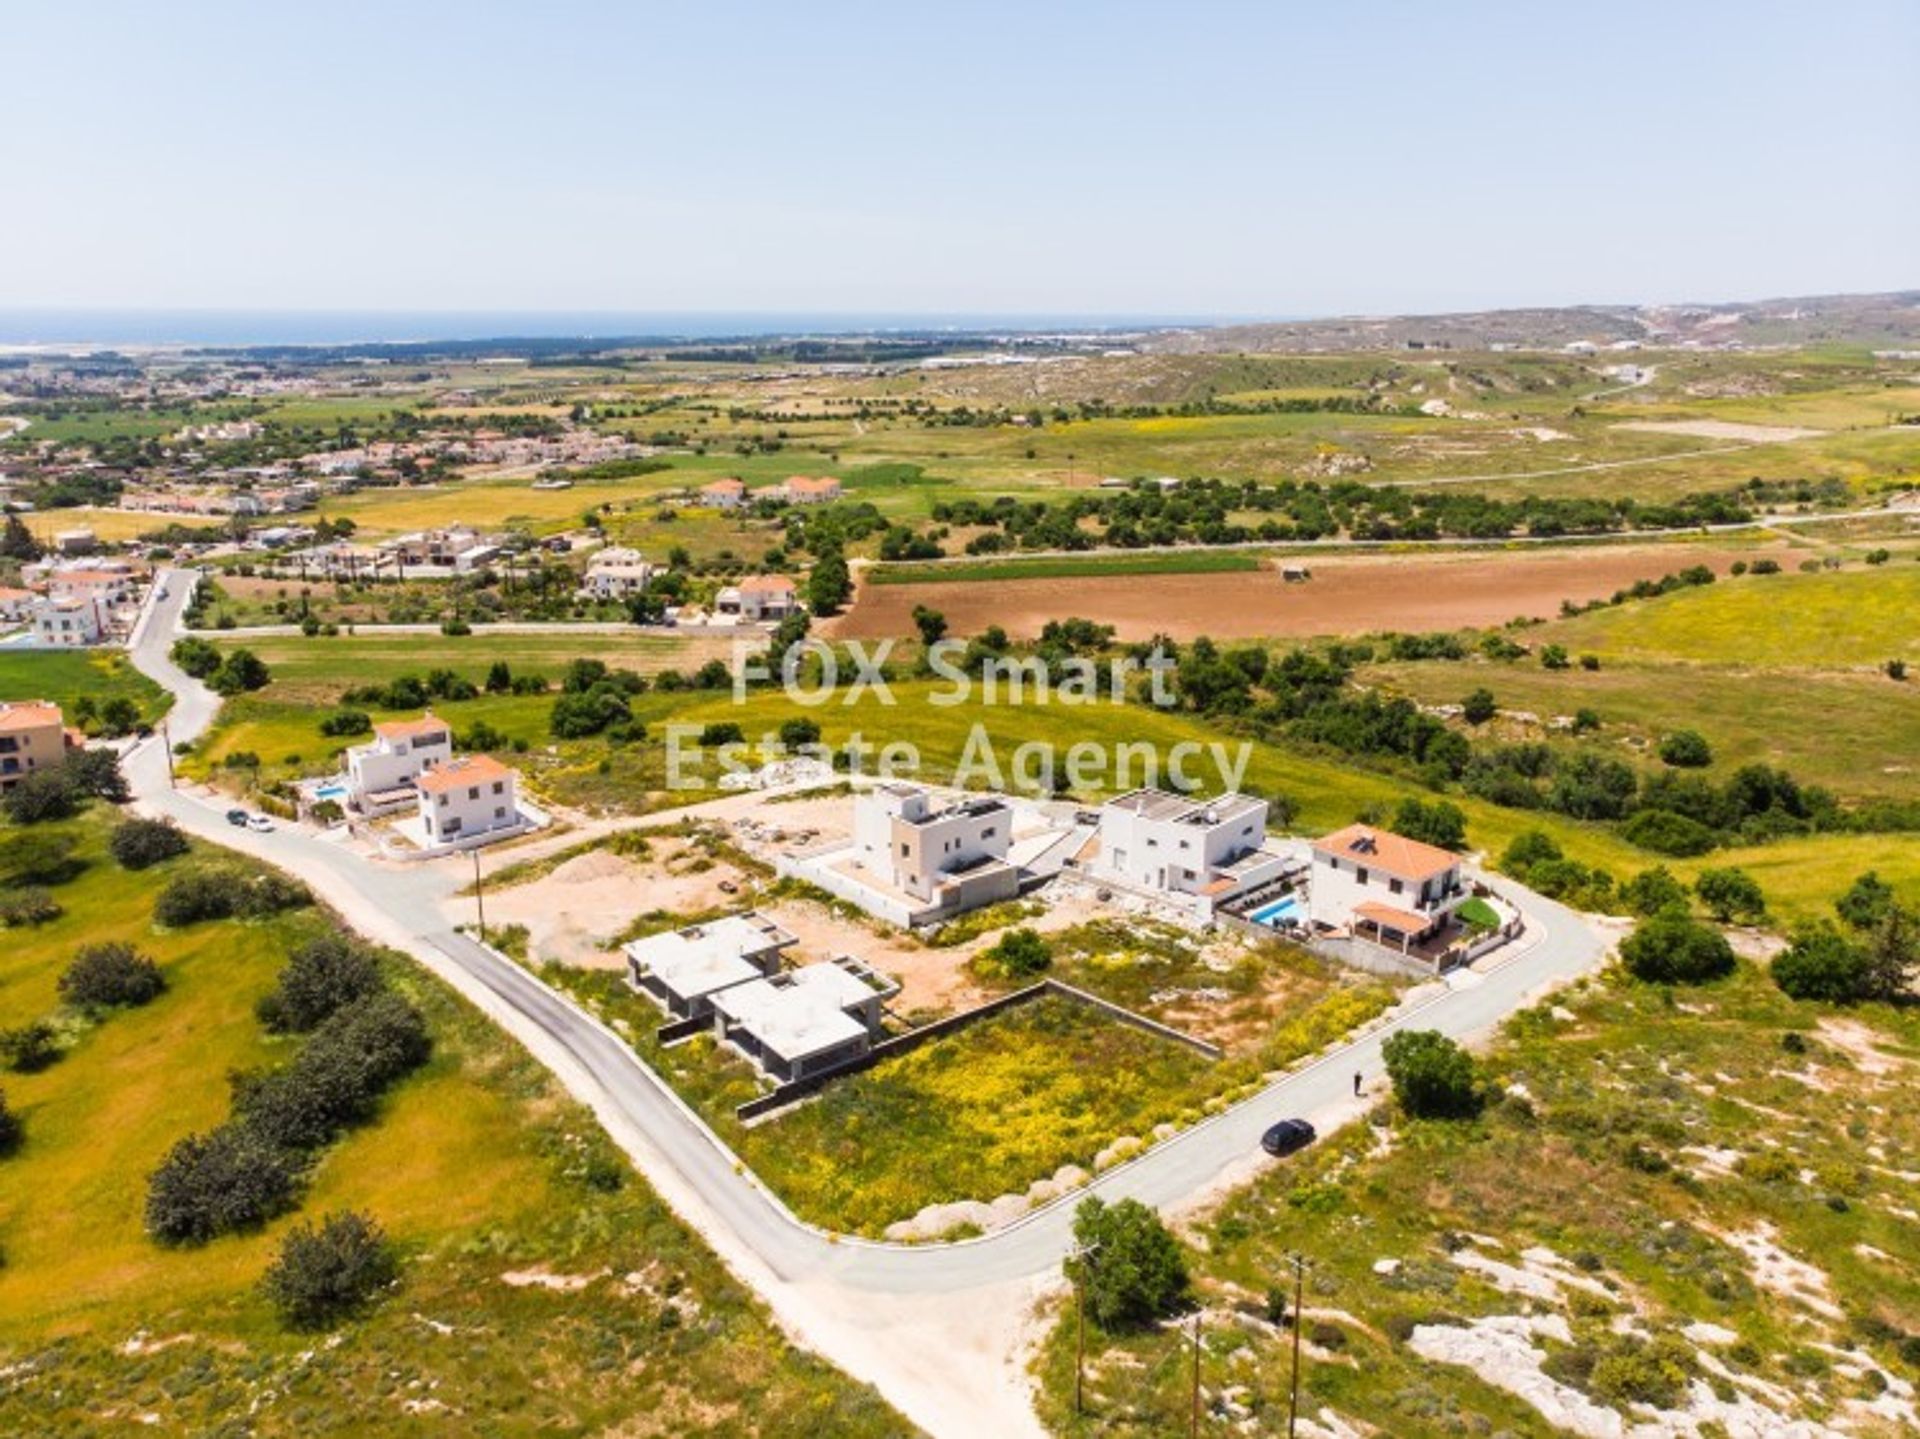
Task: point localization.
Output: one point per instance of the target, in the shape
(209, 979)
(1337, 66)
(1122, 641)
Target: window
(1395, 886)
(499, 787)
(499, 811)
(473, 791)
(1360, 874)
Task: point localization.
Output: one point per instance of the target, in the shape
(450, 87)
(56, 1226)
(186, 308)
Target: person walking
(1356, 1084)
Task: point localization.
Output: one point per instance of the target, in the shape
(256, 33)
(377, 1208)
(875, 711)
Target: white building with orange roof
(726, 494)
(811, 489)
(759, 597)
(33, 736)
(383, 774)
(16, 605)
(1383, 886)
(466, 798)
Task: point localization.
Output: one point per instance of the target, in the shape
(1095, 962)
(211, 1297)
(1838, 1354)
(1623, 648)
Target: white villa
(1198, 852)
(382, 775)
(953, 855)
(1383, 886)
(70, 620)
(759, 597)
(469, 796)
(804, 1022)
(616, 573)
(683, 969)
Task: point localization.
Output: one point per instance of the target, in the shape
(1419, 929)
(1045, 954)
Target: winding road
(939, 1330)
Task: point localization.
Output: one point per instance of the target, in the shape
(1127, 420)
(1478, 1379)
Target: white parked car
(260, 823)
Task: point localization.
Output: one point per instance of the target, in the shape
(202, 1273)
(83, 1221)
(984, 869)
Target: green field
(1157, 562)
(1846, 618)
(1636, 1147)
(64, 676)
(476, 1165)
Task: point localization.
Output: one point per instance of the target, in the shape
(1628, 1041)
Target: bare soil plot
(1348, 594)
(1722, 430)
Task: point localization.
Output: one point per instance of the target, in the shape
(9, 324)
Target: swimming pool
(334, 792)
(1280, 912)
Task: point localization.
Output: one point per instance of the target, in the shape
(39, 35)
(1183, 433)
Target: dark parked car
(1287, 1136)
(237, 818)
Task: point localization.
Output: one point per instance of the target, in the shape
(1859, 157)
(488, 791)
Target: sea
(220, 328)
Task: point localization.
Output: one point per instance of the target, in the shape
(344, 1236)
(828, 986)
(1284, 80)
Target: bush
(320, 977)
(226, 894)
(109, 976)
(342, 723)
(1439, 823)
(28, 1048)
(45, 794)
(1665, 832)
(11, 1130)
(330, 1272)
(1018, 954)
(1433, 1078)
(29, 905)
(142, 843)
(1479, 707)
(798, 733)
(1653, 890)
(1730, 895)
(1672, 949)
(1135, 1273)
(1686, 749)
(198, 657)
(721, 732)
(215, 1184)
(38, 857)
(239, 672)
(1822, 964)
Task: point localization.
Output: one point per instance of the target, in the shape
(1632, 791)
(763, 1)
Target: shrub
(1672, 949)
(45, 794)
(142, 843)
(11, 1130)
(1665, 832)
(1730, 894)
(29, 905)
(721, 732)
(1479, 707)
(1018, 954)
(1135, 1273)
(1653, 890)
(240, 671)
(329, 1272)
(1433, 1078)
(215, 1184)
(28, 1048)
(108, 976)
(38, 857)
(337, 1078)
(798, 733)
(1554, 657)
(226, 894)
(1823, 964)
(322, 976)
(198, 657)
(1686, 749)
(1439, 823)
(342, 723)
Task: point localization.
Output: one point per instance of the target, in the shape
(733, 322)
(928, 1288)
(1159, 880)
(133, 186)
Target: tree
(43, 795)
(1867, 902)
(1130, 1270)
(499, 678)
(1439, 823)
(1673, 949)
(798, 733)
(1554, 657)
(1823, 964)
(1479, 707)
(17, 541)
(931, 624)
(1893, 954)
(322, 976)
(1686, 749)
(198, 657)
(1653, 890)
(830, 584)
(330, 1272)
(118, 716)
(1730, 895)
(1433, 1078)
(108, 976)
(142, 843)
(719, 732)
(39, 858)
(1665, 832)
(11, 1130)
(1018, 954)
(217, 1183)
(96, 774)
(240, 671)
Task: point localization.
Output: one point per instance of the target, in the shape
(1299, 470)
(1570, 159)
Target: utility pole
(1193, 1413)
(479, 898)
(166, 748)
(1079, 1256)
(1299, 1290)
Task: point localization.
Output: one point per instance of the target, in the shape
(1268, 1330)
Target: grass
(109, 526)
(1602, 1166)
(64, 676)
(477, 1166)
(1157, 562)
(1855, 617)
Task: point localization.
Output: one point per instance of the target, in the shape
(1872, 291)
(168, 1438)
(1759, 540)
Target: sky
(1199, 159)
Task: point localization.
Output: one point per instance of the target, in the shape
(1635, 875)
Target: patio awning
(1401, 921)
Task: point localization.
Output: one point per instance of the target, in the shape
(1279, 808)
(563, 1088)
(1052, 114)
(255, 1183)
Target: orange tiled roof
(1382, 849)
(469, 769)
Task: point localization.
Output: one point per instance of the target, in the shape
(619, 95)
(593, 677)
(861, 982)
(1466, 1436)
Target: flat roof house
(952, 855)
(70, 620)
(469, 796)
(805, 1022)
(1175, 845)
(382, 774)
(684, 968)
(33, 735)
(1382, 885)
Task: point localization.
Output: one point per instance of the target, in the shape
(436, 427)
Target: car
(1288, 1137)
(260, 823)
(163, 593)
(237, 818)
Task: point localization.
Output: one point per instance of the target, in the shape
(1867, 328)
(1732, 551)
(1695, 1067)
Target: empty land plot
(1348, 594)
(1721, 430)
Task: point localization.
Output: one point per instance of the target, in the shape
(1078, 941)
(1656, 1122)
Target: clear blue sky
(1201, 158)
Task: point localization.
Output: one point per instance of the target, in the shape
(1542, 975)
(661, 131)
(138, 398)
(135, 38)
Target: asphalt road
(820, 1275)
